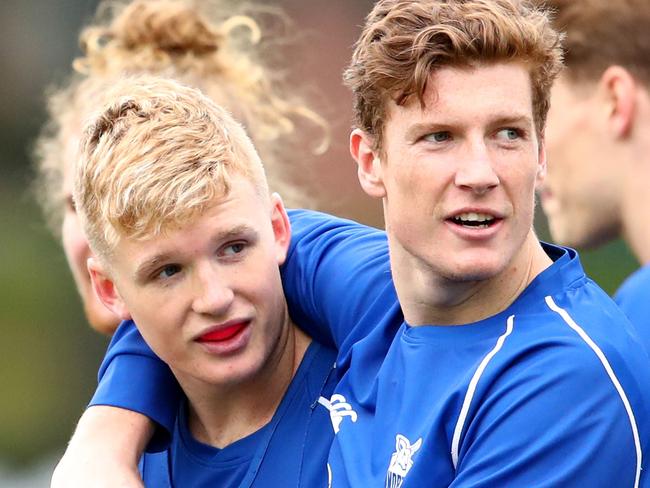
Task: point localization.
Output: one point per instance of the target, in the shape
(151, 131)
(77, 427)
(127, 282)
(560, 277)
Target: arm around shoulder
(104, 450)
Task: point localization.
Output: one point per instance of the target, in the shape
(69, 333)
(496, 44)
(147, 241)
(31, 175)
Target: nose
(476, 172)
(212, 291)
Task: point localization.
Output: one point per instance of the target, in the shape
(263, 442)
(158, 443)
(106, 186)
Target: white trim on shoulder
(612, 376)
(471, 389)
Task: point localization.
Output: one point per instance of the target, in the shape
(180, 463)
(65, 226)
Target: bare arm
(104, 450)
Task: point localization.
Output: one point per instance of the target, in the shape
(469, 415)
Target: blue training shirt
(553, 391)
(634, 299)
(291, 450)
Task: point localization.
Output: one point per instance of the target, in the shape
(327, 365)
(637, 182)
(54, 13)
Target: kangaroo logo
(401, 461)
(338, 408)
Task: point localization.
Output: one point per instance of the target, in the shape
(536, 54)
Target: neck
(636, 197)
(429, 298)
(222, 414)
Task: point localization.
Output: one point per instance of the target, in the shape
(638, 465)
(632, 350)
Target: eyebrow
(150, 264)
(145, 268)
(513, 119)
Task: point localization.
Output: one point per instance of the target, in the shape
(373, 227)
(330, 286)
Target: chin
(471, 275)
(236, 376)
(477, 264)
(566, 238)
(557, 232)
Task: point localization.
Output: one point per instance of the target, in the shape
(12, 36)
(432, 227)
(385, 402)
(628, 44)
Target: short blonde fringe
(157, 155)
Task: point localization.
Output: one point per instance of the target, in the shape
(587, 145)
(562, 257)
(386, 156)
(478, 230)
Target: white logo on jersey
(401, 461)
(338, 408)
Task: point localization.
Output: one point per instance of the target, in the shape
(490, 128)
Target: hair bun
(167, 25)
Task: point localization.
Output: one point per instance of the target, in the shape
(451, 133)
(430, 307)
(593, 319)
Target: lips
(475, 224)
(222, 334)
(472, 218)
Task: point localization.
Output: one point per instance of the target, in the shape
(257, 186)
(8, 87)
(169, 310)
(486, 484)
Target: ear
(105, 289)
(415, 447)
(281, 228)
(401, 442)
(369, 168)
(541, 162)
(619, 88)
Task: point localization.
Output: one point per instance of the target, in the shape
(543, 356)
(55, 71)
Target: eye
(509, 134)
(69, 204)
(168, 271)
(233, 249)
(440, 136)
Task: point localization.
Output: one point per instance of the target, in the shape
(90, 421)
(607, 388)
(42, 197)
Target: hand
(104, 450)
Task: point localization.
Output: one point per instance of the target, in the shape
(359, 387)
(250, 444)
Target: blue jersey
(553, 391)
(634, 299)
(291, 450)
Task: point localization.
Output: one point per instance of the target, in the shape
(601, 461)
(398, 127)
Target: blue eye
(440, 136)
(169, 270)
(233, 249)
(509, 134)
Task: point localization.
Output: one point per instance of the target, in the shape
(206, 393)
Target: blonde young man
(502, 364)
(188, 243)
(599, 138)
(208, 45)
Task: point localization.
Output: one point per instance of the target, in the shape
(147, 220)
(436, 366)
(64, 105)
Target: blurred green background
(48, 355)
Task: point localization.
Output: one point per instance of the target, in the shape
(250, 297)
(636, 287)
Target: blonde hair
(214, 45)
(404, 41)
(157, 155)
(601, 33)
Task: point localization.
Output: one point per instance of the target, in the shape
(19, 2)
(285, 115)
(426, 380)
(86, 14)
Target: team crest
(401, 461)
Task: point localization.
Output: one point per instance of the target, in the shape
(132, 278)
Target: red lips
(223, 334)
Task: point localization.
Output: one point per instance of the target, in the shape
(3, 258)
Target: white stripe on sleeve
(612, 376)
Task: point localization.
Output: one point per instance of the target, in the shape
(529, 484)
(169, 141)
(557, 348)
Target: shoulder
(551, 400)
(634, 297)
(635, 287)
(582, 335)
(311, 225)
(560, 367)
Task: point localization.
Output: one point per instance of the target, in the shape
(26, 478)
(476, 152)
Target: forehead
(242, 206)
(242, 214)
(71, 134)
(471, 94)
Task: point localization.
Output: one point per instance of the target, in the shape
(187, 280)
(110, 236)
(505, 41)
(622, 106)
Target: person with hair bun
(212, 45)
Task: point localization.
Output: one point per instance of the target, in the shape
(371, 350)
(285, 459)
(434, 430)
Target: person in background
(208, 45)
(598, 138)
